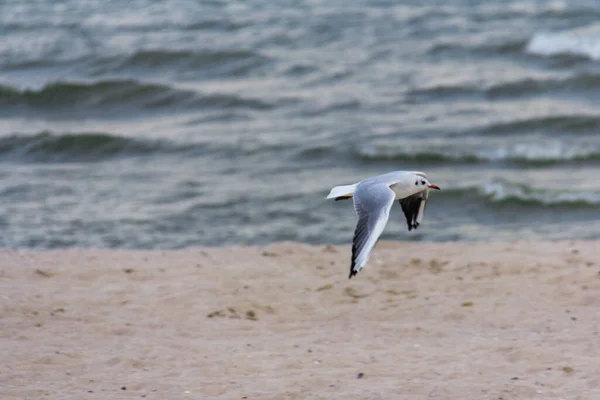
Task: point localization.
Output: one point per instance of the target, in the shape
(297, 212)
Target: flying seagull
(373, 199)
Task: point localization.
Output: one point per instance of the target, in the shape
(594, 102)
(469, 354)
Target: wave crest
(80, 147)
(508, 89)
(214, 63)
(546, 124)
(117, 94)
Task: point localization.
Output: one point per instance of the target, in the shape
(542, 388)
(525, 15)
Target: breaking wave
(534, 154)
(504, 192)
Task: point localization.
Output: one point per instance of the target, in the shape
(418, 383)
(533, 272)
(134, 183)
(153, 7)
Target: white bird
(373, 199)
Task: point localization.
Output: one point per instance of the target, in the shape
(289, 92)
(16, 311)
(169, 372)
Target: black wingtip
(353, 263)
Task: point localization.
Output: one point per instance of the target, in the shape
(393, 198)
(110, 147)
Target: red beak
(436, 187)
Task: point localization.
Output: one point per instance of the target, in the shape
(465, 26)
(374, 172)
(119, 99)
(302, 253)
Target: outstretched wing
(372, 204)
(413, 207)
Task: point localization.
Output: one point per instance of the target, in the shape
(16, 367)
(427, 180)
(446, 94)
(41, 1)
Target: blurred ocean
(163, 124)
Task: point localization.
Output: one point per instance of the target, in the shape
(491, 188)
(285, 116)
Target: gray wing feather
(372, 204)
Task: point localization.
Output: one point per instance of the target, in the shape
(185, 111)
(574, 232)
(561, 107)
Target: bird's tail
(342, 192)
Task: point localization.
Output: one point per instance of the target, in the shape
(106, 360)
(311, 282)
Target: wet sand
(423, 321)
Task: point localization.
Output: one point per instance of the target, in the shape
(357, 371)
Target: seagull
(373, 200)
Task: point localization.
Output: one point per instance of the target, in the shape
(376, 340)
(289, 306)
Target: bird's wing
(414, 207)
(372, 204)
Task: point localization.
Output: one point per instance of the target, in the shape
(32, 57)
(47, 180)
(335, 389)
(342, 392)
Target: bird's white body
(373, 200)
(401, 183)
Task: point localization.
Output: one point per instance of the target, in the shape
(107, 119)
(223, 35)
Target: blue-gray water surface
(164, 124)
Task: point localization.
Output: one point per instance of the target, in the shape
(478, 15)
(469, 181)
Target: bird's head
(421, 183)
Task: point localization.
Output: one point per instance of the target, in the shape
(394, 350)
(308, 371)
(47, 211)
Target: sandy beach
(423, 321)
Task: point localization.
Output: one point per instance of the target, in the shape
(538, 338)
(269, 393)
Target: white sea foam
(545, 151)
(500, 191)
(536, 152)
(553, 44)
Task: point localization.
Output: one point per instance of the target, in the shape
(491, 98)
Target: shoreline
(441, 320)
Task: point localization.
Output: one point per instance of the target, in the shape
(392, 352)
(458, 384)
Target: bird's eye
(417, 182)
(422, 182)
